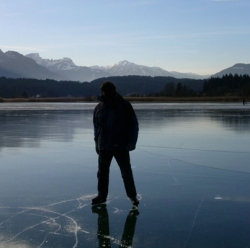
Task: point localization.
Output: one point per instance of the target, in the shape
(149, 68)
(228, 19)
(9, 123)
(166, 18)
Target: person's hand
(130, 147)
(96, 148)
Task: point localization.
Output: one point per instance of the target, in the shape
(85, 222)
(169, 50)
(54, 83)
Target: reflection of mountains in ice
(231, 116)
(26, 124)
(25, 128)
(237, 120)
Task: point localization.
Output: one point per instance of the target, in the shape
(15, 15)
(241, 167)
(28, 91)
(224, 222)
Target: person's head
(108, 89)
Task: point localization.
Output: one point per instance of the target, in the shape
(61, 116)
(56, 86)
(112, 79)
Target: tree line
(228, 85)
(126, 85)
(235, 85)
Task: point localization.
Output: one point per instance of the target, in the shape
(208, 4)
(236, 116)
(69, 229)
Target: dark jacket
(115, 124)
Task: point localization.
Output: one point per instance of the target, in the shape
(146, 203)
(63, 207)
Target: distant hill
(15, 65)
(144, 85)
(240, 69)
(140, 85)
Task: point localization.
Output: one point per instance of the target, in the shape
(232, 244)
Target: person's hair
(107, 86)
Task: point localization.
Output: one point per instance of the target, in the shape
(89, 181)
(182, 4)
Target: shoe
(99, 209)
(98, 200)
(134, 212)
(134, 201)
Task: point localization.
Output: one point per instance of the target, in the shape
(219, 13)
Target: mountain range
(240, 69)
(68, 70)
(16, 65)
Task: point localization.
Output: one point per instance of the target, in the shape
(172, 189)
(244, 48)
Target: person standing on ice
(115, 133)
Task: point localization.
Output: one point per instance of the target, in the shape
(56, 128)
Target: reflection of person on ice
(115, 134)
(103, 227)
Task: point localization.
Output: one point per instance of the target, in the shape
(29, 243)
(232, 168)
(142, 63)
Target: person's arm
(133, 128)
(96, 129)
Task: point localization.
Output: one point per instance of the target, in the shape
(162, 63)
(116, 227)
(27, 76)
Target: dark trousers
(123, 160)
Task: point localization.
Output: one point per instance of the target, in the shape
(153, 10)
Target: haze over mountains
(16, 65)
(67, 69)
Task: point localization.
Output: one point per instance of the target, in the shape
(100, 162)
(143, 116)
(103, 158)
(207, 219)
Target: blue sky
(199, 36)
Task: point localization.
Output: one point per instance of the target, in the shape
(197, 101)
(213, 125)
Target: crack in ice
(51, 221)
(194, 220)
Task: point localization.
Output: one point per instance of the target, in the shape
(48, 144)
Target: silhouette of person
(244, 101)
(115, 134)
(103, 227)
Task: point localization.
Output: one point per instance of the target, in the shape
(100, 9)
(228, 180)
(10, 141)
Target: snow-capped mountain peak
(36, 57)
(124, 63)
(67, 69)
(59, 64)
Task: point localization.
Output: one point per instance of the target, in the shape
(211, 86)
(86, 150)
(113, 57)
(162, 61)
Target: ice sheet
(191, 169)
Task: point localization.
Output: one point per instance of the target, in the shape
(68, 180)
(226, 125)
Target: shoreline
(131, 99)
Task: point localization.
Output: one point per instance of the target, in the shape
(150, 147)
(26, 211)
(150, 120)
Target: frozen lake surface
(191, 169)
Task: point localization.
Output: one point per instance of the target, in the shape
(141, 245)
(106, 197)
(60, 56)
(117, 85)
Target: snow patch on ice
(218, 197)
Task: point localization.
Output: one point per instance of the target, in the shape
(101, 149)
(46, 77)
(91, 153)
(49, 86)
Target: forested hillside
(128, 85)
(228, 85)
